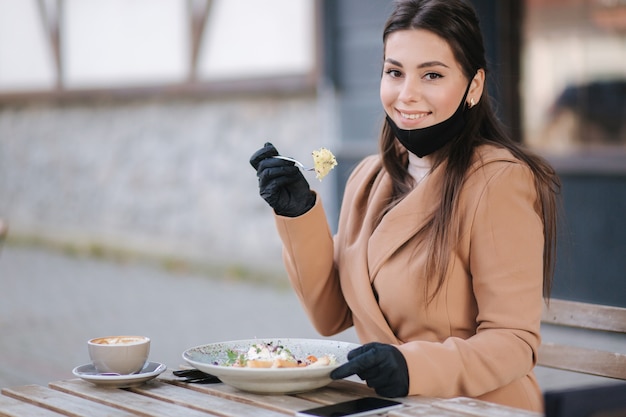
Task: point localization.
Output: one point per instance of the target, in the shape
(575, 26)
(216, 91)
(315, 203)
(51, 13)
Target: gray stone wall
(156, 177)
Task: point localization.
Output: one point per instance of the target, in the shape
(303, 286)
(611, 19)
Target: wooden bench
(599, 318)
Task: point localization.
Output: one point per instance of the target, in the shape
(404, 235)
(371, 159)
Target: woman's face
(422, 83)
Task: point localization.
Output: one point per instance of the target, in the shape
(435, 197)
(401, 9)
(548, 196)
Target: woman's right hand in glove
(281, 183)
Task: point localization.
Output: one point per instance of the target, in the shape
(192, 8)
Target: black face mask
(427, 140)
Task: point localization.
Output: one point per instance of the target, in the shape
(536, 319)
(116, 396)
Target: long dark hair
(457, 23)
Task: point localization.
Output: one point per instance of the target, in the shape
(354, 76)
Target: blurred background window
(258, 38)
(574, 75)
(26, 59)
(69, 45)
(116, 43)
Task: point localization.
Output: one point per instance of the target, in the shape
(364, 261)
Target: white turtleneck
(418, 167)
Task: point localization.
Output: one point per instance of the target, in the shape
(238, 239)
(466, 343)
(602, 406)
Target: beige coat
(479, 336)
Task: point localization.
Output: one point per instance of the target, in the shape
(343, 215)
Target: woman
(445, 239)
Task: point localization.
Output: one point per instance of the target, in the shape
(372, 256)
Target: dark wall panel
(591, 253)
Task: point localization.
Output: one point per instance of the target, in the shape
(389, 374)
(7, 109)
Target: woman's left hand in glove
(382, 366)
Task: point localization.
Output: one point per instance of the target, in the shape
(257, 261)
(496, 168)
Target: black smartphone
(354, 408)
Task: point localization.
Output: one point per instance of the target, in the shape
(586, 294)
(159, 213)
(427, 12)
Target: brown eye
(393, 73)
(433, 76)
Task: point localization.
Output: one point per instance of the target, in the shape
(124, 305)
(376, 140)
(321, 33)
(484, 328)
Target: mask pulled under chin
(427, 140)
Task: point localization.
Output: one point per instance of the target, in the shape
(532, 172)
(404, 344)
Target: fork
(295, 161)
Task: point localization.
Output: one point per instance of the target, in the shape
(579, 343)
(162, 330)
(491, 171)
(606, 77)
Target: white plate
(149, 371)
(210, 359)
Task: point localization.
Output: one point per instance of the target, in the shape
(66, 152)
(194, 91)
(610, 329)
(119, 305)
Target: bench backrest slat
(586, 316)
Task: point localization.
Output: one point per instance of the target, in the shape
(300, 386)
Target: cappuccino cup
(122, 355)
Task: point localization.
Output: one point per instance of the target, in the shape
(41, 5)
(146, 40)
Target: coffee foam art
(118, 340)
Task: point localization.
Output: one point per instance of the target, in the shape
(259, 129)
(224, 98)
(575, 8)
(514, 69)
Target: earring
(472, 103)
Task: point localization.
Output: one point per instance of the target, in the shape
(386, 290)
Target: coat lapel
(403, 222)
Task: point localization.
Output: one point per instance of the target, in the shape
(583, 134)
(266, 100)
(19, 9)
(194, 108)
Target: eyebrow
(422, 65)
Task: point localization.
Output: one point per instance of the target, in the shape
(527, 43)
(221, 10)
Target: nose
(410, 91)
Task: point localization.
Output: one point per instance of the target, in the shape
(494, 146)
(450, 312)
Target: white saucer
(88, 373)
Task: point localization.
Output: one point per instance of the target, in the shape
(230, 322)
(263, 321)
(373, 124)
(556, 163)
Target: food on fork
(324, 161)
(268, 355)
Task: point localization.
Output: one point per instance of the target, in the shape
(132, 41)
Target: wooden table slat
(423, 410)
(203, 402)
(280, 403)
(351, 387)
(123, 399)
(11, 407)
(351, 390)
(419, 401)
(474, 407)
(62, 403)
(338, 391)
(325, 396)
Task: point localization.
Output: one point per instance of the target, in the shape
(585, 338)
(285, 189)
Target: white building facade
(126, 126)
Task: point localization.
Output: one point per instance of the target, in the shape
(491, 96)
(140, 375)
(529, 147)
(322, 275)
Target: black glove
(382, 366)
(281, 183)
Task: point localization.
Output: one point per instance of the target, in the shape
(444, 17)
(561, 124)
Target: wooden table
(166, 396)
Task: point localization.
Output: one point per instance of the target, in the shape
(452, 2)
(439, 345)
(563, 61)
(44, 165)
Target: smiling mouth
(413, 116)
